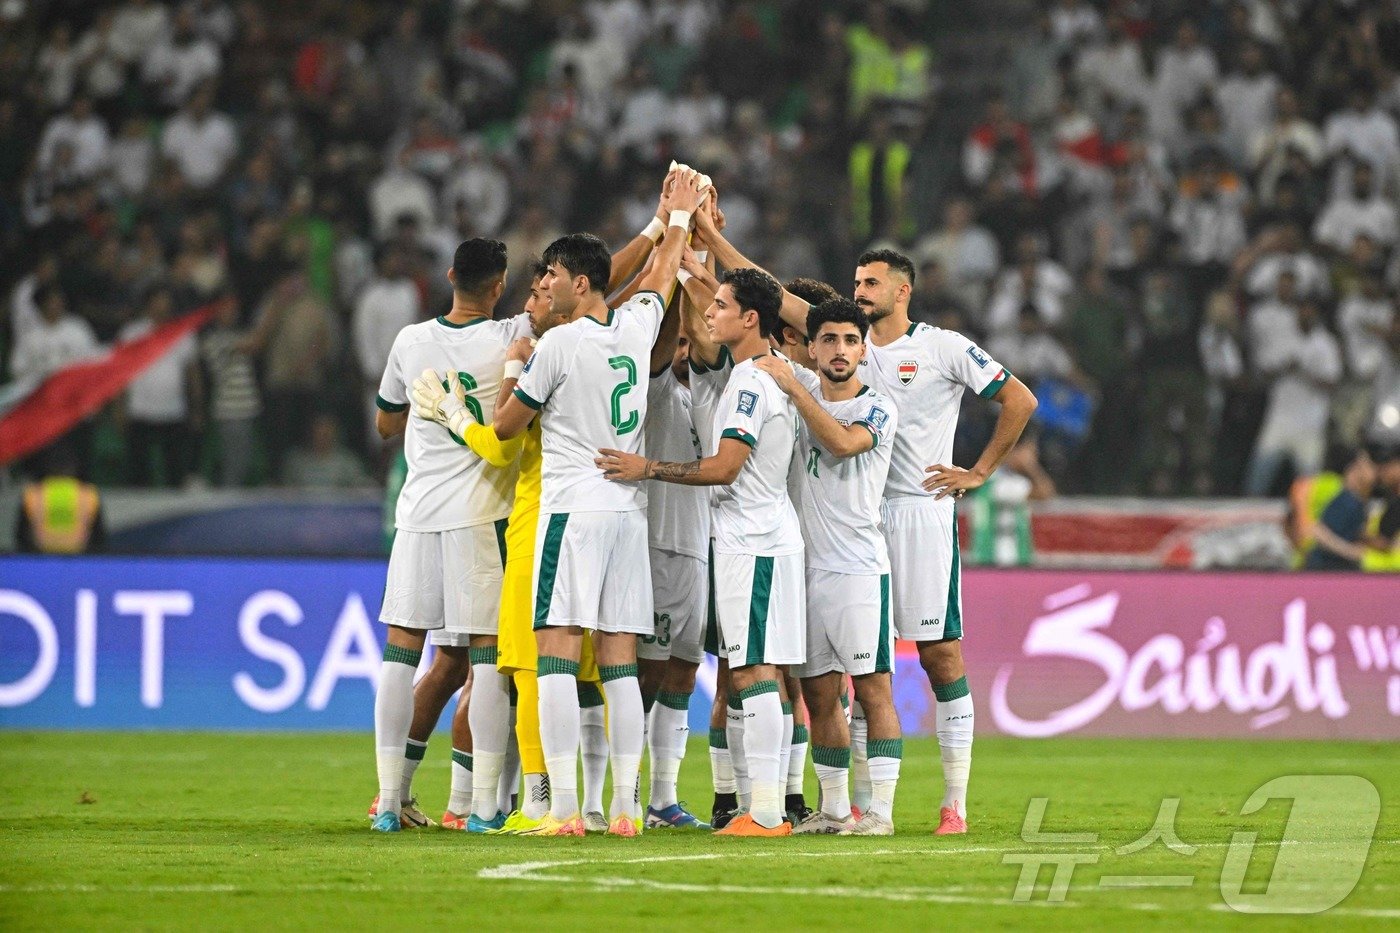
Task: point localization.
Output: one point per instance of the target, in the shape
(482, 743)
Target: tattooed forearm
(674, 472)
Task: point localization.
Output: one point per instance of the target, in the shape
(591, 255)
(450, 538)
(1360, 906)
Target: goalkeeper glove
(432, 402)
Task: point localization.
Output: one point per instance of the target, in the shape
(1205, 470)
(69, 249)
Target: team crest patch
(747, 401)
(908, 369)
(528, 363)
(877, 418)
(978, 356)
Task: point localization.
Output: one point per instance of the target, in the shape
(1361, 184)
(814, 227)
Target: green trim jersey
(841, 495)
(678, 516)
(447, 485)
(706, 386)
(754, 514)
(924, 373)
(586, 378)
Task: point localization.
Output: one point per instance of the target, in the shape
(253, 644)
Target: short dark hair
(538, 267)
(756, 290)
(477, 264)
(836, 311)
(812, 291)
(896, 261)
(582, 254)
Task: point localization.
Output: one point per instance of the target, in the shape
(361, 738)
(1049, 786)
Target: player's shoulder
(647, 300)
(874, 398)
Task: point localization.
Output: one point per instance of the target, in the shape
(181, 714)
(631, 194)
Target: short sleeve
(519, 326)
(393, 391)
(747, 409)
(544, 371)
(649, 307)
(965, 362)
(660, 387)
(879, 419)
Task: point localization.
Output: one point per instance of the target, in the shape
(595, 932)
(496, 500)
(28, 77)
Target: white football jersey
(447, 485)
(706, 386)
(678, 516)
(841, 496)
(587, 380)
(924, 372)
(754, 515)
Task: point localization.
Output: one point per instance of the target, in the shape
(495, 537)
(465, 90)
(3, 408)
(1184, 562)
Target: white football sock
(833, 767)
(594, 732)
(860, 770)
(460, 801)
(413, 753)
(787, 745)
(559, 732)
(721, 764)
(536, 802)
(626, 736)
(955, 722)
(763, 751)
(885, 755)
(734, 730)
(669, 728)
(488, 713)
(393, 714)
(510, 771)
(797, 762)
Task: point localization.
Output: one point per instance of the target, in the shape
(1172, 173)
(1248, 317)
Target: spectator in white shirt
(139, 26)
(133, 158)
(1270, 146)
(51, 343)
(482, 185)
(201, 141)
(967, 252)
(81, 130)
(57, 66)
(1285, 250)
(182, 63)
(646, 113)
(1073, 22)
(104, 71)
(1300, 401)
(1185, 70)
(1042, 283)
(1366, 132)
(387, 305)
(164, 402)
(699, 111)
(1366, 321)
(398, 192)
(1208, 214)
(1112, 70)
(1246, 99)
(1362, 210)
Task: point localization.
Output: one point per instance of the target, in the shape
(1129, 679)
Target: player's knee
(873, 690)
(942, 661)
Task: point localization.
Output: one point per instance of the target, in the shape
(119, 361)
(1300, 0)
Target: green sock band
(679, 701)
(829, 757)
(589, 695)
(953, 691)
(719, 738)
(758, 689)
(402, 655)
(845, 701)
(462, 758)
(799, 734)
(884, 748)
(787, 708)
(552, 665)
(414, 751)
(734, 702)
(608, 672)
(485, 655)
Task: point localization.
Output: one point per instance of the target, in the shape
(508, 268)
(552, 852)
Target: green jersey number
(628, 423)
(473, 406)
(814, 461)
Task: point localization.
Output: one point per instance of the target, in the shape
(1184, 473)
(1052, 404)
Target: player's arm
(720, 470)
(794, 309)
(840, 440)
(390, 403)
(699, 285)
(632, 287)
(664, 350)
(682, 202)
(390, 423)
(1018, 403)
(626, 261)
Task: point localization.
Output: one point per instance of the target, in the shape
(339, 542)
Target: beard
(874, 312)
(838, 377)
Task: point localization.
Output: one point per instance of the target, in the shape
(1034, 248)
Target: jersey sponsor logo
(907, 370)
(863, 656)
(978, 356)
(747, 401)
(877, 419)
(929, 621)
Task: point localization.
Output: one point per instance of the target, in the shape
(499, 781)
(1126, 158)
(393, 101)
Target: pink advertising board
(1176, 653)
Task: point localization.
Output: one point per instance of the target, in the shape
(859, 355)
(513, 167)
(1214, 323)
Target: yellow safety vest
(61, 511)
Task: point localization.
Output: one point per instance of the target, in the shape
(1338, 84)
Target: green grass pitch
(226, 831)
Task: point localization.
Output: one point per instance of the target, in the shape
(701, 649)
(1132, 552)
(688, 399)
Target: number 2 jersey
(447, 485)
(588, 379)
(924, 371)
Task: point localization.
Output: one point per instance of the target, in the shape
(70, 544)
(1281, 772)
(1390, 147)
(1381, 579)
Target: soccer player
(591, 565)
(757, 574)
(446, 562)
(844, 447)
(925, 370)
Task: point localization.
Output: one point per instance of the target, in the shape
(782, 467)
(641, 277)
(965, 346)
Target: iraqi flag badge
(908, 369)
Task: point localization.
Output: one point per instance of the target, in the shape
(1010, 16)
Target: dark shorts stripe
(549, 567)
(952, 624)
(882, 651)
(711, 617)
(759, 597)
(501, 525)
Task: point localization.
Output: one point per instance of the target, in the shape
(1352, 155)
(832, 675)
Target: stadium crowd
(1177, 220)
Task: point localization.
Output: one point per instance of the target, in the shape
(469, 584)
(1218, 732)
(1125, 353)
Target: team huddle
(659, 459)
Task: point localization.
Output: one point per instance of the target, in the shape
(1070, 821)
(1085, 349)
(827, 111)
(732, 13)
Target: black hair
(812, 291)
(477, 264)
(896, 261)
(582, 254)
(836, 311)
(756, 290)
(538, 267)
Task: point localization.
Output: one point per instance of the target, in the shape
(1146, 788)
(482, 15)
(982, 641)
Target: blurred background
(1175, 220)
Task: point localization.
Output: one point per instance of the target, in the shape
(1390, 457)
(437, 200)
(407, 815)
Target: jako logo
(863, 656)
